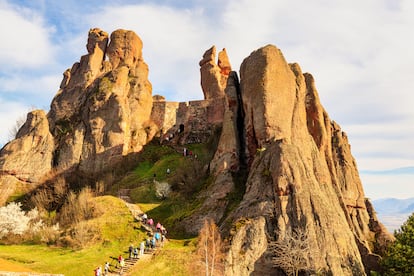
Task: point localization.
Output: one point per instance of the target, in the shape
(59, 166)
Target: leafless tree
(15, 128)
(210, 256)
(292, 253)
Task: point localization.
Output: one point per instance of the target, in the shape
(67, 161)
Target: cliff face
(26, 159)
(286, 165)
(103, 108)
(301, 175)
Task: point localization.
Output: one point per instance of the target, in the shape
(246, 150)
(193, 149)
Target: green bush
(399, 257)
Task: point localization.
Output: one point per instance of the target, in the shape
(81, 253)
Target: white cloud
(388, 186)
(10, 113)
(173, 44)
(380, 146)
(25, 40)
(359, 53)
(44, 85)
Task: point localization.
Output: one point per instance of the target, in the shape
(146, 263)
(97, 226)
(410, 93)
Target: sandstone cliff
(102, 111)
(281, 163)
(100, 114)
(301, 175)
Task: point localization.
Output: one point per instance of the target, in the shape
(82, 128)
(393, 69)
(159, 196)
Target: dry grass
(6, 265)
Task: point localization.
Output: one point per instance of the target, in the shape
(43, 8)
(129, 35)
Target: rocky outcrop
(225, 164)
(26, 159)
(301, 174)
(100, 114)
(111, 114)
(71, 94)
(214, 76)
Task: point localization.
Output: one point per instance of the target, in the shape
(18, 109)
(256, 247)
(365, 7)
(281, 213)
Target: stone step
(130, 262)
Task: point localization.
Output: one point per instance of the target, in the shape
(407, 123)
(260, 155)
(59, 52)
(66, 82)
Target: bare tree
(292, 253)
(210, 256)
(16, 126)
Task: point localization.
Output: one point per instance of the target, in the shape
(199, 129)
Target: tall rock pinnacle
(214, 76)
(100, 114)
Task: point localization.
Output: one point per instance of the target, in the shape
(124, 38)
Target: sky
(359, 52)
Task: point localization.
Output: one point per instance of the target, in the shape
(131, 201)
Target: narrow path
(137, 214)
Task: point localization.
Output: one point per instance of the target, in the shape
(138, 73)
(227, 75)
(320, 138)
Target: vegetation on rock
(399, 258)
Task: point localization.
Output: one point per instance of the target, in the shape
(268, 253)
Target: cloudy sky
(359, 52)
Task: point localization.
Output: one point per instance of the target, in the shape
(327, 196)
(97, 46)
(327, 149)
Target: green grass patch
(145, 207)
(144, 194)
(154, 160)
(187, 178)
(171, 212)
(173, 259)
(117, 228)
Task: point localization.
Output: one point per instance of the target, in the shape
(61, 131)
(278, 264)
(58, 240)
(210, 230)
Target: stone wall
(194, 121)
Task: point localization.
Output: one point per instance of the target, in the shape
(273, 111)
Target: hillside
(115, 230)
(259, 155)
(393, 212)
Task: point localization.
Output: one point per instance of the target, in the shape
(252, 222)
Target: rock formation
(214, 76)
(281, 164)
(301, 176)
(27, 158)
(107, 117)
(100, 114)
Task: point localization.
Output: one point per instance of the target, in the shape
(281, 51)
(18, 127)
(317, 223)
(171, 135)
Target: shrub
(17, 225)
(51, 195)
(49, 234)
(399, 257)
(84, 234)
(162, 189)
(293, 252)
(13, 220)
(78, 208)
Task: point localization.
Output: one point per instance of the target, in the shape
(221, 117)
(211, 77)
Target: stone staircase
(129, 263)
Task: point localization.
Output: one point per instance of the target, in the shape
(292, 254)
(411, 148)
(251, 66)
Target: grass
(173, 259)
(154, 160)
(54, 260)
(9, 265)
(144, 194)
(145, 207)
(117, 229)
(186, 179)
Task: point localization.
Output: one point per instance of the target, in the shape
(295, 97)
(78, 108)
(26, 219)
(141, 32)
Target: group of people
(98, 270)
(148, 244)
(135, 251)
(158, 236)
(150, 222)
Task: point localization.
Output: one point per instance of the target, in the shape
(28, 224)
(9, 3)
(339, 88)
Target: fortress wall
(197, 117)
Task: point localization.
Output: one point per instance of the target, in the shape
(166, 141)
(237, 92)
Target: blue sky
(359, 52)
